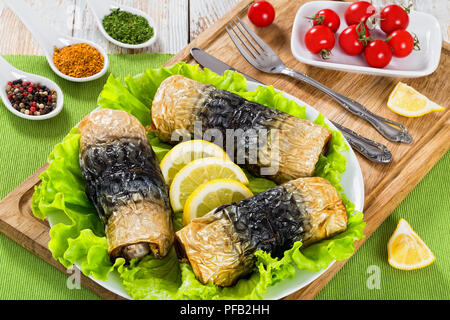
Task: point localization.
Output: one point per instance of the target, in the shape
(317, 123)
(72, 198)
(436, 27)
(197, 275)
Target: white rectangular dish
(417, 64)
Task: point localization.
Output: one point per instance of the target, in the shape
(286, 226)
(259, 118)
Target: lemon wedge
(185, 152)
(406, 101)
(198, 172)
(213, 194)
(406, 251)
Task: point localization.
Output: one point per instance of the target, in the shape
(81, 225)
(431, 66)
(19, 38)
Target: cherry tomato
(328, 18)
(354, 38)
(402, 43)
(261, 13)
(378, 54)
(392, 18)
(359, 11)
(320, 40)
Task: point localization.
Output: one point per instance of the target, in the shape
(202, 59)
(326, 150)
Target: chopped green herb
(127, 27)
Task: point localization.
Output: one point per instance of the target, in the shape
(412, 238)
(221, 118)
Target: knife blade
(208, 61)
(372, 150)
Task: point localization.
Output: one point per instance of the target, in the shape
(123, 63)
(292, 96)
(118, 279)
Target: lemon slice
(213, 194)
(185, 152)
(406, 251)
(198, 172)
(406, 101)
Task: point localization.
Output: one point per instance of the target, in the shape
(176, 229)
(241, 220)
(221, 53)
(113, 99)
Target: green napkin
(26, 144)
(367, 275)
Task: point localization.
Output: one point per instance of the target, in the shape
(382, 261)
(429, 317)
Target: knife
(208, 61)
(370, 149)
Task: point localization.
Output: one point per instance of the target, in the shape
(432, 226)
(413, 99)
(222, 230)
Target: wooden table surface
(178, 23)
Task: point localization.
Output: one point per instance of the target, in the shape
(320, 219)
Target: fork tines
(249, 44)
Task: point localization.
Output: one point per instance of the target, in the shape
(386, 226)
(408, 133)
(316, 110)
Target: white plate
(417, 64)
(352, 182)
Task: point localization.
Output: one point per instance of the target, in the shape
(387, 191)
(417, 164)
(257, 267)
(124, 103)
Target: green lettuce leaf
(135, 94)
(77, 235)
(152, 278)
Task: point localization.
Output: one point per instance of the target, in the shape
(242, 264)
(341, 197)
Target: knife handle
(372, 150)
(391, 130)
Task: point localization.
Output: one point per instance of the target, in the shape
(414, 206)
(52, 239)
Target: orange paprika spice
(79, 60)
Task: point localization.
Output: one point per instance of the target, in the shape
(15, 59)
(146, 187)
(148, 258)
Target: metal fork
(263, 58)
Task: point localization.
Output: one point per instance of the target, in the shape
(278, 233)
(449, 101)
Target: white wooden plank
(169, 16)
(203, 13)
(172, 18)
(14, 36)
(178, 21)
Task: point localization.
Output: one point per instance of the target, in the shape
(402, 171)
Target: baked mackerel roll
(182, 106)
(125, 184)
(220, 246)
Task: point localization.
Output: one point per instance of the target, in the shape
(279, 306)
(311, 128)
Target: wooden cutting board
(386, 185)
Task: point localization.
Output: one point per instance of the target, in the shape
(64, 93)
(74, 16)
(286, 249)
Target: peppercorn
(27, 97)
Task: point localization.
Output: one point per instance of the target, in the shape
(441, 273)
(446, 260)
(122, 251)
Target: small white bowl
(64, 42)
(9, 73)
(417, 64)
(102, 9)
(49, 39)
